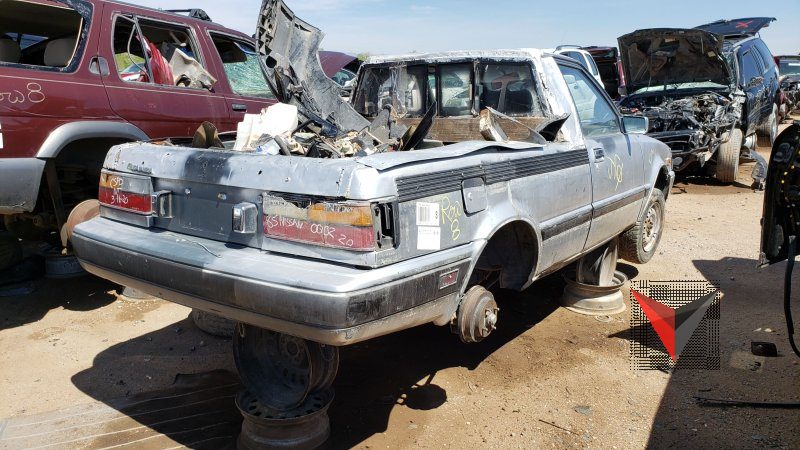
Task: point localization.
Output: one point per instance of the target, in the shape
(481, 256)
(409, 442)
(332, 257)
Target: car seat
(9, 51)
(58, 52)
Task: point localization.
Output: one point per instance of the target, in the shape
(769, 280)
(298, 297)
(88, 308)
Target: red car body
(57, 122)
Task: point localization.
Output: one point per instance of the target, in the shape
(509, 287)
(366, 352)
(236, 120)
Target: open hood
(748, 26)
(288, 47)
(666, 56)
(781, 197)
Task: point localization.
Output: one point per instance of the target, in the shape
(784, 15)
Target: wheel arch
(68, 133)
(517, 266)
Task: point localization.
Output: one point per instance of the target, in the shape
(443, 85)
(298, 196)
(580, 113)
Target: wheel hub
(477, 315)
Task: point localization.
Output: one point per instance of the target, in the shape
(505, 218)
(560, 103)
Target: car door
(617, 177)
(141, 86)
(752, 78)
(245, 89)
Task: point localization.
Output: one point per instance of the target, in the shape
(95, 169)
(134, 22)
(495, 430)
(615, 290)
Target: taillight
(347, 225)
(127, 192)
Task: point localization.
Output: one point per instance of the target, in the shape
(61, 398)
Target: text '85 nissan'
(453, 171)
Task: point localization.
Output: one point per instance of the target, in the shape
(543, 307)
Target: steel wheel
(282, 370)
(652, 226)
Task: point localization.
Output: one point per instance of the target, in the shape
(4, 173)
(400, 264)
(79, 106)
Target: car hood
(747, 26)
(665, 56)
(288, 48)
(781, 196)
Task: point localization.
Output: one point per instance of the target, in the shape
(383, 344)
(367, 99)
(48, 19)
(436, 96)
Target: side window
(42, 35)
(750, 68)
(455, 81)
(577, 57)
(240, 62)
(130, 57)
(508, 88)
(766, 55)
(596, 115)
(147, 51)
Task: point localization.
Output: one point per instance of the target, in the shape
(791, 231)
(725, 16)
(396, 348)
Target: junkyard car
(680, 79)
(337, 249)
(789, 68)
(610, 67)
(757, 76)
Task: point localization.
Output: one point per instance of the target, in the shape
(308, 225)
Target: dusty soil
(546, 378)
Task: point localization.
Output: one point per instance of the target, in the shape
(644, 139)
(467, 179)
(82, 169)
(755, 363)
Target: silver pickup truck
(390, 215)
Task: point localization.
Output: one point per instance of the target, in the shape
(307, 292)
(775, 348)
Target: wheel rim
(651, 228)
(774, 128)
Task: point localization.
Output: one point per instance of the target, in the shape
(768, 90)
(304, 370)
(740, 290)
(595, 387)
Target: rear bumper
(19, 184)
(319, 301)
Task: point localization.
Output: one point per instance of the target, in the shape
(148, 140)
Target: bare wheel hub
(477, 315)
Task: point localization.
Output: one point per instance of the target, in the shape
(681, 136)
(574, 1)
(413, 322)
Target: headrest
(59, 51)
(9, 51)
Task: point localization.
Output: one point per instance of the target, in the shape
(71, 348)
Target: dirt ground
(546, 378)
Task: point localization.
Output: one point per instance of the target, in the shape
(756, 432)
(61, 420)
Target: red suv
(78, 76)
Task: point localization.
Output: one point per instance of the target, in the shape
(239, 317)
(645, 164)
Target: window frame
(603, 94)
(190, 32)
(80, 41)
(241, 40)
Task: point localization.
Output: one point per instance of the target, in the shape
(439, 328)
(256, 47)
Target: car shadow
(374, 376)
(752, 303)
(33, 299)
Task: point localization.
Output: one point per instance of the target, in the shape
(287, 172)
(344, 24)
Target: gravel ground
(546, 378)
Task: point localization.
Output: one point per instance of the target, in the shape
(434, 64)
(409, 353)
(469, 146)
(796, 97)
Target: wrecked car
(789, 68)
(757, 76)
(454, 173)
(680, 80)
(610, 67)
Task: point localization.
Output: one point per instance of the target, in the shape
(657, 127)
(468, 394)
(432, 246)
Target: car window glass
(129, 54)
(240, 62)
(39, 34)
(577, 57)
(750, 68)
(151, 52)
(343, 76)
(508, 88)
(766, 55)
(592, 65)
(455, 82)
(596, 115)
(759, 61)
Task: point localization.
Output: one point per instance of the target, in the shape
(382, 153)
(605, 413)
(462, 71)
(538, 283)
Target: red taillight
(330, 224)
(126, 192)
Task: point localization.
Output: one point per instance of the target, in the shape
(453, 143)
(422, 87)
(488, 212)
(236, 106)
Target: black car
(757, 74)
(680, 80)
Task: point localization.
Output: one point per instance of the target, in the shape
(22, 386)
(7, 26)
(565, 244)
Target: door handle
(239, 107)
(99, 66)
(599, 154)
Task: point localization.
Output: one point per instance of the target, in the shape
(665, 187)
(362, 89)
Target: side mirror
(635, 124)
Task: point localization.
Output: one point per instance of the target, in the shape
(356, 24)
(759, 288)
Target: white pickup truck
(453, 173)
